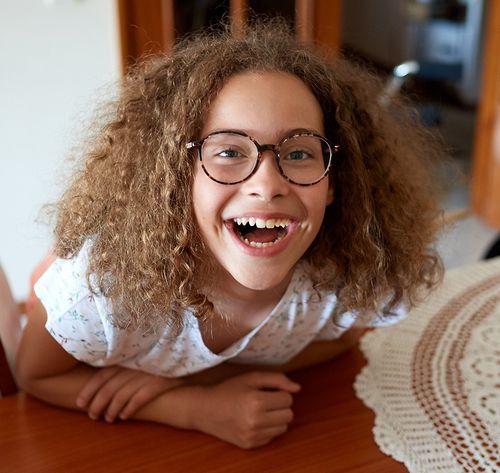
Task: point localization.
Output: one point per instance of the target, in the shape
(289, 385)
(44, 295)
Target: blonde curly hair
(133, 196)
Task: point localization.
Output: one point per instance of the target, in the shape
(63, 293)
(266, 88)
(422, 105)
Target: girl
(244, 209)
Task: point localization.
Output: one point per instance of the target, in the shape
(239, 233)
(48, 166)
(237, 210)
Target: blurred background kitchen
(61, 57)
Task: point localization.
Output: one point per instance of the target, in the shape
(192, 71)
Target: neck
(238, 310)
(239, 301)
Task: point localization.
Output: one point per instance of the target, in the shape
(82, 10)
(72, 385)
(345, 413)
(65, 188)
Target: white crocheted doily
(433, 380)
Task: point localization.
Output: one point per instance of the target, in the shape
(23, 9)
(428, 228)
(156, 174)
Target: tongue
(262, 235)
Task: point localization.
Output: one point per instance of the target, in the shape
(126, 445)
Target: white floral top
(82, 323)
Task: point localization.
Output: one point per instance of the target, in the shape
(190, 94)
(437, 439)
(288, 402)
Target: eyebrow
(283, 133)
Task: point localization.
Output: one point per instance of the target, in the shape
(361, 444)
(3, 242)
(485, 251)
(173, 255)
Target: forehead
(264, 104)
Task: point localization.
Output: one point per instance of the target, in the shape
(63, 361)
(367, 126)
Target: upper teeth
(263, 223)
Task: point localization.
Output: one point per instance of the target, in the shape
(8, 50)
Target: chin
(259, 281)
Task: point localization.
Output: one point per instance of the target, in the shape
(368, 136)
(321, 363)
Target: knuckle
(254, 403)
(284, 428)
(106, 392)
(288, 399)
(135, 403)
(248, 441)
(145, 393)
(105, 373)
(119, 397)
(251, 423)
(138, 399)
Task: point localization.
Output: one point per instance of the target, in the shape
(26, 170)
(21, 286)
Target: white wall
(56, 56)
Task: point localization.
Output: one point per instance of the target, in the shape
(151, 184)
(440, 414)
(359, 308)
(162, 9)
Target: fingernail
(92, 416)
(80, 402)
(109, 419)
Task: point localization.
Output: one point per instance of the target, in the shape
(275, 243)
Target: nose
(267, 183)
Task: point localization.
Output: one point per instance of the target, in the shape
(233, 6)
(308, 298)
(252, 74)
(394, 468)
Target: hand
(248, 410)
(119, 392)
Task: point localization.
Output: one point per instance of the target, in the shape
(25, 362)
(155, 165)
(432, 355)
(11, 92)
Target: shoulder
(64, 283)
(306, 298)
(78, 318)
(307, 281)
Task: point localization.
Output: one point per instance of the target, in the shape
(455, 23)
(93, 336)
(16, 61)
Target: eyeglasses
(230, 157)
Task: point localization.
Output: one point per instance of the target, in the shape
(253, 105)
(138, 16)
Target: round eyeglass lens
(229, 157)
(304, 159)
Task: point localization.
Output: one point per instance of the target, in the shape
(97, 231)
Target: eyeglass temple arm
(194, 144)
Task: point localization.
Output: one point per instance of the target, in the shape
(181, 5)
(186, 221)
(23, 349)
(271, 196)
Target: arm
(247, 410)
(264, 414)
(43, 368)
(119, 392)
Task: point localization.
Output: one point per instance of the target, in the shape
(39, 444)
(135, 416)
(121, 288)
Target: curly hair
(133, 196)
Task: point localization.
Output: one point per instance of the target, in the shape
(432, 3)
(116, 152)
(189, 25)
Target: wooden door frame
(145, 27)
(485, 184)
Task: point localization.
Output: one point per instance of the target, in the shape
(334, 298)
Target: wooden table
(331, 432)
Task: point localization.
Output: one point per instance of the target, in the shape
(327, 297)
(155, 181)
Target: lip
(278, 247)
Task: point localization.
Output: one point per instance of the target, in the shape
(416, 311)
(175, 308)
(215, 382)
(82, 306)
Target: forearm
(177, 407)
(61, 389)
(173, 407)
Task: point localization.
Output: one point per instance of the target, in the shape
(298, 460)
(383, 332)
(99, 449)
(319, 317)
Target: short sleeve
(396, 314)
(79, 319)
(336, 326)
(340, 324)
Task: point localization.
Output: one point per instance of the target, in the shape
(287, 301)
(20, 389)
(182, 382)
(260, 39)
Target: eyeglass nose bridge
(267, 147)
(262, 149)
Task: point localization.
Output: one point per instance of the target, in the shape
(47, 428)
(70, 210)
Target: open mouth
(259, 232)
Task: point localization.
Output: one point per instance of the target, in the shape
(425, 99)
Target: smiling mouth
(259, 232)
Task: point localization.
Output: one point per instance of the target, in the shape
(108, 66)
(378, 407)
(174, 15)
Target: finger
(271, 400)
(276, 418)
(123, 396)
(273, 432)
(271, 380)
(146, 393)
(94, 384)
(104, 396)
(264, 436)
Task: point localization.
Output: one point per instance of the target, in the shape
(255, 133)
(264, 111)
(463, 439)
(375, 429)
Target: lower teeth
(258, 244)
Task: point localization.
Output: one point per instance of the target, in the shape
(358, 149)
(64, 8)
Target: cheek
(321, 196)
(208, 201)
(329, 196)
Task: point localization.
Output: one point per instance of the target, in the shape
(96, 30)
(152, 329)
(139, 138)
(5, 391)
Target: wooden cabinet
(152, 26)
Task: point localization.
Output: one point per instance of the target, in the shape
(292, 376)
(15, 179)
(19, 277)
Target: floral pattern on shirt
(81, 321)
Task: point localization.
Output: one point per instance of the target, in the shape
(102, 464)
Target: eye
(229, 153)
(298, 155)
